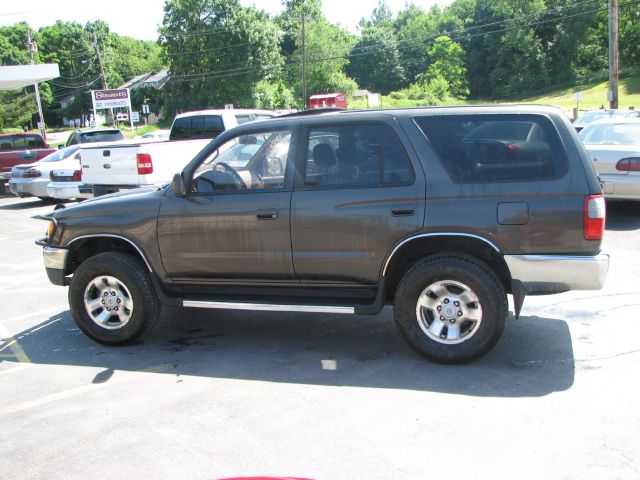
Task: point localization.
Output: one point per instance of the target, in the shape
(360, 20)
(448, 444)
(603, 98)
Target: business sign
(135, 116)
(115, 98)
(110, 98)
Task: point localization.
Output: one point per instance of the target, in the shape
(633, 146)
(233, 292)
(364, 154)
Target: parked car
(94, 136)
(31, 180)
(587, 118)
(127, 165)
(65, 182)
(614, 147)
(342, 213)
(17, 149)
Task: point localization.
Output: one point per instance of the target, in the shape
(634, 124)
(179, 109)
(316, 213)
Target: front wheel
(112, 299)
(451, 309)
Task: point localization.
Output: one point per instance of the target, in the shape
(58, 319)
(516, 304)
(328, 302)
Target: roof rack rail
(312, 111)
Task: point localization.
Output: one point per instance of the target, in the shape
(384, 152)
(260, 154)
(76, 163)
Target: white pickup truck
(109, 168)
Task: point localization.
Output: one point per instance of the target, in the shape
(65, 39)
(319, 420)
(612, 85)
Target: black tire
(133, 280)
(450, 274)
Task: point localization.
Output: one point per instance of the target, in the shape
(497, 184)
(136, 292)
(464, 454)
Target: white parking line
(71, 392)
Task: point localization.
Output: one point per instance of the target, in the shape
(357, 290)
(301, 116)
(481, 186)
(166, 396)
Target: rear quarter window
(496, 148)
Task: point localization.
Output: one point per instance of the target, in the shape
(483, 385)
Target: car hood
(115, 204)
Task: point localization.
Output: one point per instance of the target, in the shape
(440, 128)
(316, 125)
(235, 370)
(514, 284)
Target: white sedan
(614, 147)
(31, 180)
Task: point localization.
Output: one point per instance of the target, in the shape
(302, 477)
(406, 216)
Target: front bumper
(55, 261)
(546, 274)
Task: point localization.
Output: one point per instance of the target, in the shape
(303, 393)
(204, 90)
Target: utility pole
(102, 76)
(304, 71)
(613, 54)
(33, 47)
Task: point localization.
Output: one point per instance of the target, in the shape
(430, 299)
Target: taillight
(513, 148)
(77, 176)
(594, 217)
(32, 173)
(629, 164)
(145, 164)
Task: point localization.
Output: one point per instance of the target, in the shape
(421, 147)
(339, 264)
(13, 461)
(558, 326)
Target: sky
(141, 18)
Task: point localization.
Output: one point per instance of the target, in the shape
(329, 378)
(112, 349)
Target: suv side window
(355, 155)
(484, 148)
(255, 162)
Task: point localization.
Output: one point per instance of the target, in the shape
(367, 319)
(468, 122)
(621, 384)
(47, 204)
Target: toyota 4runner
(440, 212)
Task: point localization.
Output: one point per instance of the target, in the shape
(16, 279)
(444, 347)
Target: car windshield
(611, 134)
(60, 154)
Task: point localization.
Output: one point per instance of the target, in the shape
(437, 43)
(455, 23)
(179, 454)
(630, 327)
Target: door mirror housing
(178, 186)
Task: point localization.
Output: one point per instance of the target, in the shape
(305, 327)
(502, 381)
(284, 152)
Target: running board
(268, 307)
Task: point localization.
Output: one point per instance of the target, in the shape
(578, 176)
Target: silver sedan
(614, 147)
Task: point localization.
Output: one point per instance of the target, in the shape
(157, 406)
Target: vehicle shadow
(623, 215)
(29, 203)
(534, 357)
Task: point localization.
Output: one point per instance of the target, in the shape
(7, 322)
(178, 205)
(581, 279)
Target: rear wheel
(451, 309)
(112, 299)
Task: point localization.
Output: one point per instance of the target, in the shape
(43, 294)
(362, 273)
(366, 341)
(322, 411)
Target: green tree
(374, 61)
(217, 51)
(447, 61)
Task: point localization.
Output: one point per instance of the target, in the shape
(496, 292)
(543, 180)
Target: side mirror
(177, 185)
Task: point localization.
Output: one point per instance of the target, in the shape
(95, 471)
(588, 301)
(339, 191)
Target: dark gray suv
(440, 212)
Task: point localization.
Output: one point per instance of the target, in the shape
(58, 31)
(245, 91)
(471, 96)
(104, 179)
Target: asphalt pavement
(215, 394)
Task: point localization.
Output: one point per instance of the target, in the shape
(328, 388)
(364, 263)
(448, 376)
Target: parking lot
(221, 394)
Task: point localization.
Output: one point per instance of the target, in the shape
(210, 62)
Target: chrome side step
(267, 307)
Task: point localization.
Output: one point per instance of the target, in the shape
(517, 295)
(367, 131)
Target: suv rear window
(496, 148)
(200, 126)
(103, 136)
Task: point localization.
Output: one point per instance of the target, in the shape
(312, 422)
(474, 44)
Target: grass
(594, 95)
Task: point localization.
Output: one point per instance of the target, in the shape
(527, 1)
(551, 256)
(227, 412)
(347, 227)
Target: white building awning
(19, 76)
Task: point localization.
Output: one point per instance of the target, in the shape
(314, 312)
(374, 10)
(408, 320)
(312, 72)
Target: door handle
(402, 211)
(267, 214)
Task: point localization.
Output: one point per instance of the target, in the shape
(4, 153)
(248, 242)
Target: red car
(20, 148)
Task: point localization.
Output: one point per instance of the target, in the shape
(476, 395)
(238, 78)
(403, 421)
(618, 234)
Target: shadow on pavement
(623, 215)
(29, 203)
(534, 357)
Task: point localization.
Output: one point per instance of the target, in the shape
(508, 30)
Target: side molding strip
(102, 235)
(439, 234)
(267, 307)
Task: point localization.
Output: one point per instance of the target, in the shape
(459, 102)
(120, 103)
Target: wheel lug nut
(108, 309)
(119, 300)
(439, 308)
(113, 293)
(446, 300)
(105, 294)
(456, 303)
(459, 313)
(453, 320)
(116, 309)
(103, 302)
(441, 317)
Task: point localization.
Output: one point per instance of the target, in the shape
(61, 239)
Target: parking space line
(18, 368)
(13, 345)
(71, 392)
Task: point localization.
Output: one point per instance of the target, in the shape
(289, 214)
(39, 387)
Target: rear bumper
(67, 190)
(546, 274)
(621, 187)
